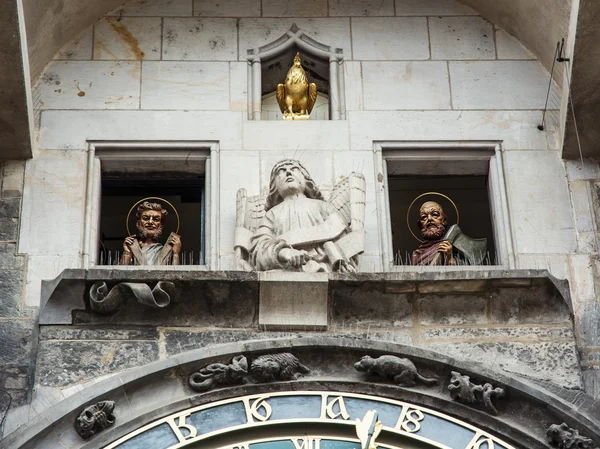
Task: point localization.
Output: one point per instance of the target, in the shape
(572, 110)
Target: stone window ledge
(269, 300)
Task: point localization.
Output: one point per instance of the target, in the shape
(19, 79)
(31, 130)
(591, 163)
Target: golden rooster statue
(296, 97)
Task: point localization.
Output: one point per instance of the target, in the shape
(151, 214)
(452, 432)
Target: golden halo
(421, 196)
(146, 199)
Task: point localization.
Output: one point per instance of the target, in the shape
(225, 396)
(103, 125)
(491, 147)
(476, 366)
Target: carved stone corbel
(562, 436)
(94, 419)
(104, 301)
(463, 390)
(401, 370)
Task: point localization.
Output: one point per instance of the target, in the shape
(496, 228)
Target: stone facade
(421, 73)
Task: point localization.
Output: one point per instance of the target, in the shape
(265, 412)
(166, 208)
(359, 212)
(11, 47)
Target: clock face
(308, 420)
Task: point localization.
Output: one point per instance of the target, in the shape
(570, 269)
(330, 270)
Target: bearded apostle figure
(435, 250)
(296, 97)
(144, 247)
(442, 245)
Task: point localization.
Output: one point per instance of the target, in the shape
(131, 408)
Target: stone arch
(269, 62)
(160, 389)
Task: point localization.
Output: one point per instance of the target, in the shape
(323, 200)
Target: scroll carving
(105, 301)
(94, 419)
(463, 390)
(401, 370)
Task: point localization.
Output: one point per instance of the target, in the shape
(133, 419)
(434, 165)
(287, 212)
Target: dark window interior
(470, 193)
(120, 191)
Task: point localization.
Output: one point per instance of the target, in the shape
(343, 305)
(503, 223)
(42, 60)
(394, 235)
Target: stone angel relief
(294, 228)
(296, 96)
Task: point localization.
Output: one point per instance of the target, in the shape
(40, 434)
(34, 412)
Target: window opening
(120, 191)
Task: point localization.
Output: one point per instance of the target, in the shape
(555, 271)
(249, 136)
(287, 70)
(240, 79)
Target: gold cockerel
(296, 96)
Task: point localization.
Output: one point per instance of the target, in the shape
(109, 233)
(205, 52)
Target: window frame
(476, 153)
(206, 152)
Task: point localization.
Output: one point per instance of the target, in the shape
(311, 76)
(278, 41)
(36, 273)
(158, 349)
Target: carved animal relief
(217, 374)
(463, 390)
(95, 418)
(401, 370)
(266, 368)
(277, 367)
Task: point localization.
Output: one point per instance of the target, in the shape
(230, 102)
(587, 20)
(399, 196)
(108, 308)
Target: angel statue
(294, 228)
(296, 97)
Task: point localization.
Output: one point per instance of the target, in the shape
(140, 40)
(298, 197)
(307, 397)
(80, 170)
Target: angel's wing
(255, 211)
(249, 212)
(349, 199)
(281, 97)
(312, 96)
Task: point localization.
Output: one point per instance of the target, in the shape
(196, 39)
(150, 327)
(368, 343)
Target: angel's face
(289, 180)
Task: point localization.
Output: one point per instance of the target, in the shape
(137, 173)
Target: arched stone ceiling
(50, 24)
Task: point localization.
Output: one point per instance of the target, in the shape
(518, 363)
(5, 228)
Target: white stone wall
(415, 70)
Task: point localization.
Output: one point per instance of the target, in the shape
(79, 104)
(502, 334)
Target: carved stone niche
(268, 66)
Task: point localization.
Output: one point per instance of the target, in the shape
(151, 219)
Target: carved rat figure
(402, 371)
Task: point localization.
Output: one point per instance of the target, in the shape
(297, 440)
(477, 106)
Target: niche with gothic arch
(268, 66)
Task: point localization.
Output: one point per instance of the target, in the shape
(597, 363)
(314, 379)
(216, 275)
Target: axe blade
(473, 249)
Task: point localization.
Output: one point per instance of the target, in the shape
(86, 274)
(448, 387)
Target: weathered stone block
(406, 85)
(155, 8)
(581, 196)
(540, 305)
(294, 8)
(432, 8)
(9, 228)
(516, 129)
(9, 208)
(12, 179)
(498, 85)
(8, 259)
(185, 85)
(589, 317)
(293, 300)
(127, 38)
(80, 48)
(367, 305)
(509, 47)
(62, 363)
(388, 38)
(90, 85)
(86, 333)
(11, 291)
(479, 334)
(452, 309)
(359, 8)
(553, 230)
(16, 340)
(217, 8)
(461, 38)
(199, 39)
(139, 125)
(453, 286)
(556, 362)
